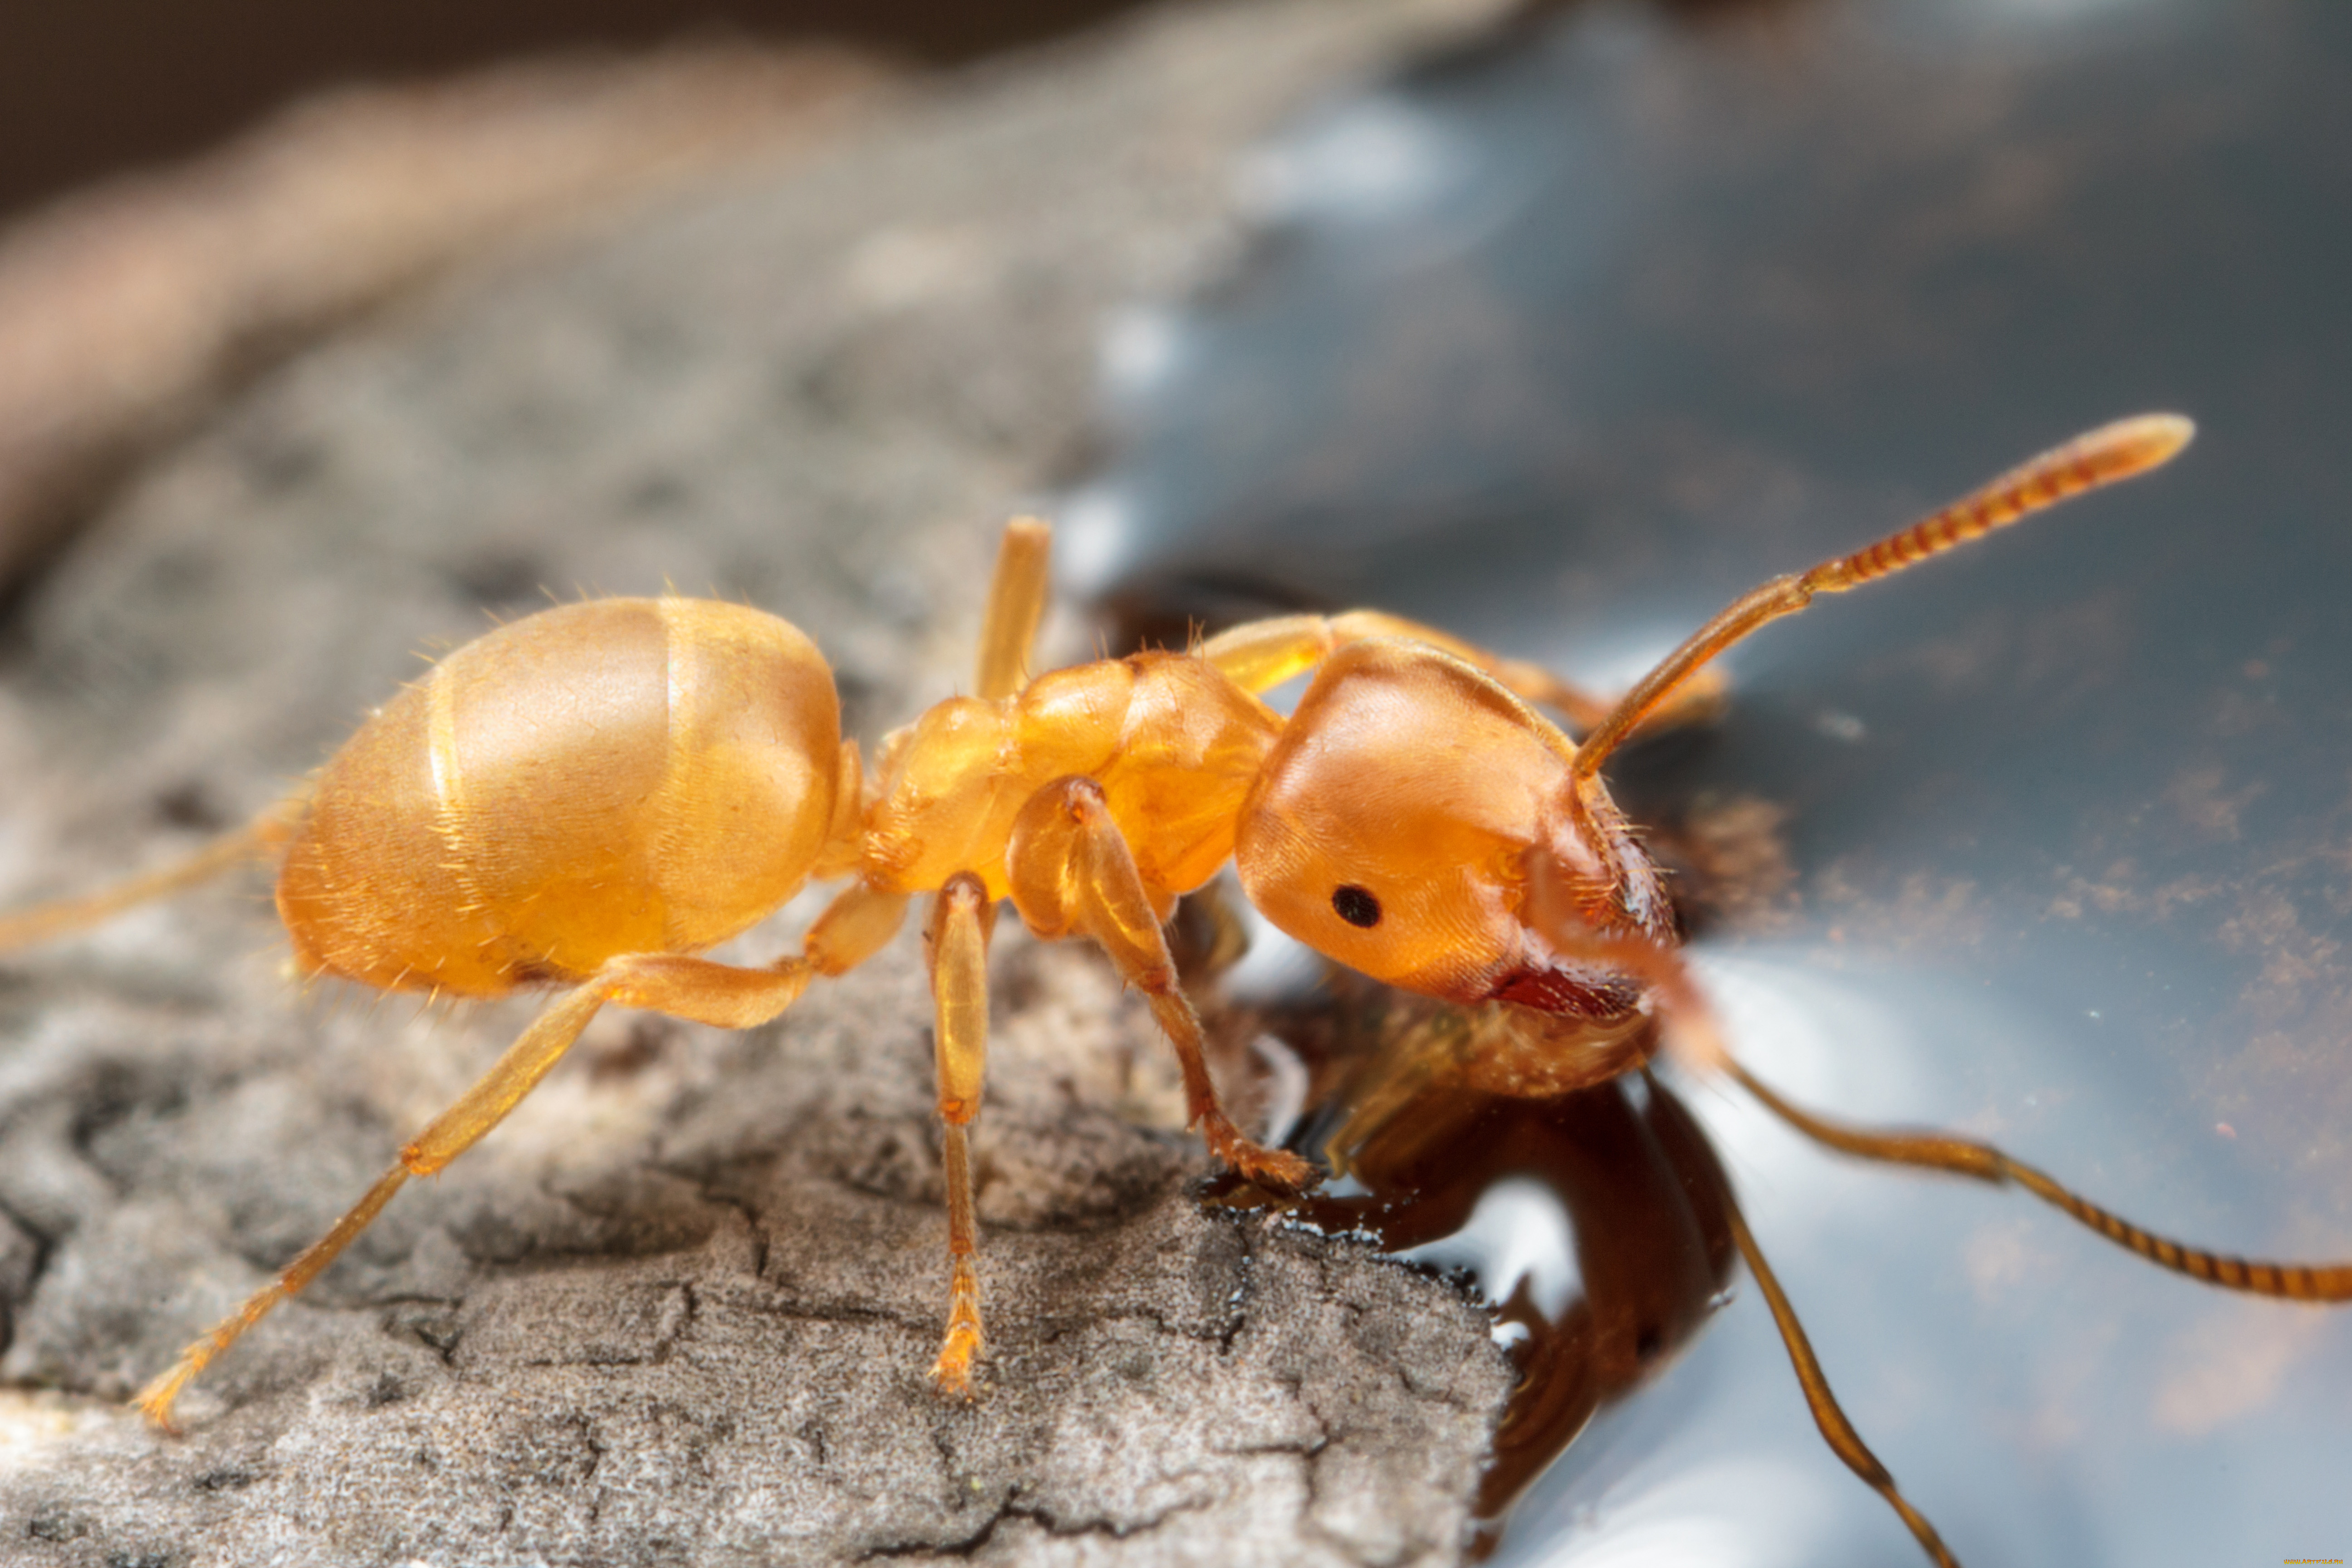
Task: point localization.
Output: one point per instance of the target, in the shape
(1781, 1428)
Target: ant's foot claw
(1276, 1170)
(155, 1400)
(952, 1373)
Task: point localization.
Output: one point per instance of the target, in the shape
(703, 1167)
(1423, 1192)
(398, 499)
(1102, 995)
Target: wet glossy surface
(1563, 344)
(1593, 1223)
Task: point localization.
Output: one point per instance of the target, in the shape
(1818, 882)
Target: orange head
(1415, 822)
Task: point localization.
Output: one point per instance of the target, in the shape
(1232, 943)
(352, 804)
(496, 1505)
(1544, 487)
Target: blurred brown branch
(122, 308)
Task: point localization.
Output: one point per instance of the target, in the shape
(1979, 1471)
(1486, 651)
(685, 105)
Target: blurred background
(89, 90)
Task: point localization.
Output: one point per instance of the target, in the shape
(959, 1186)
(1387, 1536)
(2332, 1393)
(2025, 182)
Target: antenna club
(2118, 451)
(2150, 439)
(2114, 452)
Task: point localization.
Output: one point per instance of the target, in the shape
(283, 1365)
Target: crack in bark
(1009, 1510)
(710, 1192)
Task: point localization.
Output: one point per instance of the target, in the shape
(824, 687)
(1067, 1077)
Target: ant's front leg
(1072, 871)
(1959, 1156)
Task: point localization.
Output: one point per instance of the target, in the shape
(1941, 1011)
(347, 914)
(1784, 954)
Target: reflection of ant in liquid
(1594, 1219)
(588, 797)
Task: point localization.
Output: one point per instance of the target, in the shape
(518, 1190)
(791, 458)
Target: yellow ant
(589, 798)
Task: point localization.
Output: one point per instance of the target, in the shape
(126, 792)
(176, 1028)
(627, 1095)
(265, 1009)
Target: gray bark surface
(680, 1308)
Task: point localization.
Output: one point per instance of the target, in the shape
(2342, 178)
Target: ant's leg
(698, 990)
(1691, 1032)
(1966, 1157)
(852, 929)
(1836, 1430)
(956, 944)
(1071, 870)
(1690, 1029)
(1017, 603)
(255, 839)
(1261, 655)
(692, 988)
(550, 1035)
(844, 836)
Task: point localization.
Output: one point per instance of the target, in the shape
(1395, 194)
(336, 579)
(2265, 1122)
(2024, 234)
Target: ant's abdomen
(620, 775)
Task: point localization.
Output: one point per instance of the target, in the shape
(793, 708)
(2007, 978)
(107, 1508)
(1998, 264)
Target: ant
(589, 798)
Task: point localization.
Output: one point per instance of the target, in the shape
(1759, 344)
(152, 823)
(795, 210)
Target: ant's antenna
(2102, 456)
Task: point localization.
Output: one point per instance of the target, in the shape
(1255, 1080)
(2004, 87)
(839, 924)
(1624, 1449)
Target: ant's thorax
(1174, 743)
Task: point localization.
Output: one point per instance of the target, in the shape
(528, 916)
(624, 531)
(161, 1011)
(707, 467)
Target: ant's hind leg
(956, 944)
(476, 1112)
(63, 916)
(1072, 871)
(1966, 1157)
(691, 988)
(1261, 655)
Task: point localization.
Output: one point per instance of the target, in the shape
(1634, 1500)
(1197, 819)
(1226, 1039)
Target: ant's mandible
(587, 798)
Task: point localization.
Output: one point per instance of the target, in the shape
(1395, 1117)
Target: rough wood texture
(680, 1310)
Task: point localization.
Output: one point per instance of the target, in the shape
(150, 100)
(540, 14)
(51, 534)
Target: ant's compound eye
(1357, 906)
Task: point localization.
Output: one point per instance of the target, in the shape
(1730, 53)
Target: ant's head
(1412, 822)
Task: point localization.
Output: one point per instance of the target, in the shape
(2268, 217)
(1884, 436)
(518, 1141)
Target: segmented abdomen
(619, 775)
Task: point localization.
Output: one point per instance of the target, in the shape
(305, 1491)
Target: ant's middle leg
(1261, 655)
(1072, 871)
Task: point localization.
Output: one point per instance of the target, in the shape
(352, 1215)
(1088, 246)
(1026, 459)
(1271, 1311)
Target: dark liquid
(1592, 1223)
